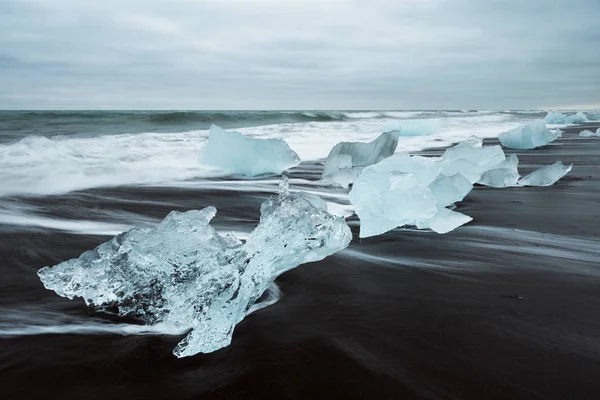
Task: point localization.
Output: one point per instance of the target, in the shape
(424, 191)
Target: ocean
(504, 307)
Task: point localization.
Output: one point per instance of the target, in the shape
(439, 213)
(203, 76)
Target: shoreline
(503, 307)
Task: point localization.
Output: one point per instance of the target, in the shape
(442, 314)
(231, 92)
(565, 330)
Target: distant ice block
(588, 133)
(554, 117)
(412, 127)
(504, 174)
(530, 136)
(235, 153)
(546, 176)
(347, 159)
(183, 274)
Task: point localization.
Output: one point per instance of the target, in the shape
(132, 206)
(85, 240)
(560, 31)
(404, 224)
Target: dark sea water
(505, 307)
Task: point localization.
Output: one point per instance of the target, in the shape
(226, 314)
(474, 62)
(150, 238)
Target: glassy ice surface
(385, 201)
(554, 117)
(546, 176)
(347, 159)
(414, 190)
(183, 274)
(504, 174)
(588, 133)
(235, 153)
(471, 159)
(529, 136)
(444, 221)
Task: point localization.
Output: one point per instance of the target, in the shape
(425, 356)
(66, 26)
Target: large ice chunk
(588, 133)
(407, 190)
(529, 136)
(471, 159)
(546, 176)
(183, 274)
(554, 117)
(385, 201)
(347, 159)
(412, 127)
(235, 153)
(504, 174)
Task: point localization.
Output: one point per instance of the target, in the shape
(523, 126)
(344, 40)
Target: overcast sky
(294, 54)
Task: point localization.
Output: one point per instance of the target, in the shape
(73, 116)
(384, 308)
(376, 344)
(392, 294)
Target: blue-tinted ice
(234, 153)
(529, 136)
(183, 274)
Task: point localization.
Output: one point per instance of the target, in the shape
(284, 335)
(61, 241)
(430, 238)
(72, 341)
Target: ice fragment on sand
(347, 159)
(588, 133)
(529, 136)
(554, 117)
(385, 201)
(235, 153)
(471, 159)
(504, 174)
(183, 274)
(546, 176)
(407, 190)
(444, 221)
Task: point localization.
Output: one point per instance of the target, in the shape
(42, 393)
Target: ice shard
(407, 190)
(529, 136)
(546, 176)
(448, 190)
(471, 159)
(384, 201)
(234, 153)
(504, 174)
(588, 133)
(444, 221)
(183, 274)
(346, 160)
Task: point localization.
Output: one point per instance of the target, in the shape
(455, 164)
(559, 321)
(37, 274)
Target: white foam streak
(38, 166)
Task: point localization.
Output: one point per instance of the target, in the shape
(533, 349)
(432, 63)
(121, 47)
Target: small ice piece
(347, 159)
(504, 174)
(554, 117)
(385, 201)
(183, 274)
(235, 153)
(588, 133)
(546, 176)
(448, 190)
(444, 221)
(530, 136)
(412, 127)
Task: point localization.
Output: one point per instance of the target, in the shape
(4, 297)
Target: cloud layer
(328, 54)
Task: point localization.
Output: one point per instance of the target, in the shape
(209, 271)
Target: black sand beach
(506, 307)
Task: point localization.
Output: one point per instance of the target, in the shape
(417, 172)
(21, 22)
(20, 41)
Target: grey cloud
(334, 54)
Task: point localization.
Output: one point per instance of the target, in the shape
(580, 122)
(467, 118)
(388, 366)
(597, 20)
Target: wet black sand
(506, 307)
